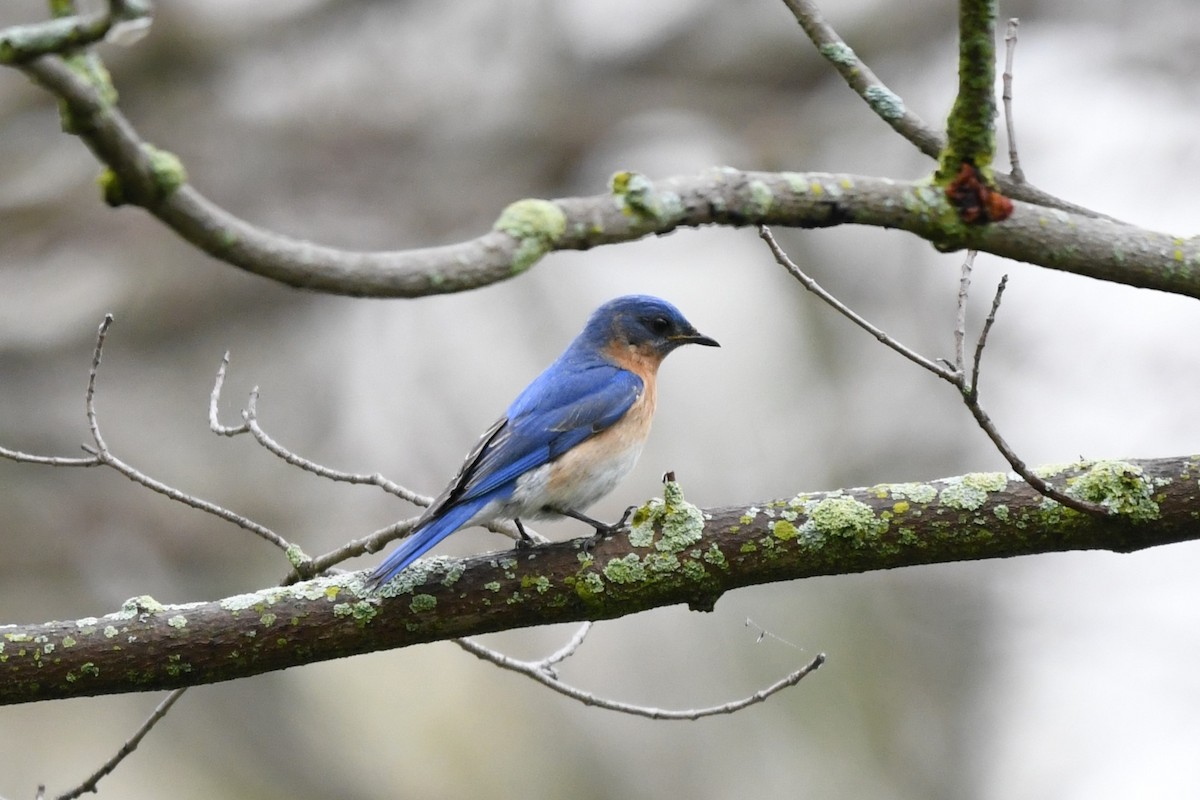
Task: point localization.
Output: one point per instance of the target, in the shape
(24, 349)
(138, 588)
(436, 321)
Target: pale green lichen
(677, 523)
(1120, 487)
(110, 631)
(136, 606)
(591, 583)
(169, 175)
(783, 530)
(969, 492)
(362, 611)
(178, 622)
(417, 574)
(714, 556)
(916, 492)
(761, 199)
(635, 196)
(627, 569)
(423, 603)
(694, 571)
(1001, 512)
(453, 574)
(843, 517)
(537, 225)
(492, 586)
(69, 641)
(295, 556)
(884, 102)
(839, 53)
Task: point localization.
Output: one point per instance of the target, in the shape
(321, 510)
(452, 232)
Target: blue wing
(560, 409)
(565, 405)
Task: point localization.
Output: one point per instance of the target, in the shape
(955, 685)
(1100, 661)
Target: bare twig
(89, 396)
(367, 544)
(540, 672)
(960, 318)
(568, 649)
(955, 375)
(1010, 46)
(100, 455)
(882, 100)
(89, 785)
(912, 355)
(973, 389)
(250, 425)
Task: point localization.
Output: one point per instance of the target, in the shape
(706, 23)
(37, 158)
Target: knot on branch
(975, 201)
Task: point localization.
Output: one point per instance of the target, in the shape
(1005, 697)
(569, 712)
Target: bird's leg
(526, 540)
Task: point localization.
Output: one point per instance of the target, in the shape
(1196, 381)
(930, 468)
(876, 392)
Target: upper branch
(970, 128)
(528, 229)
(21, 43)
(675, 553)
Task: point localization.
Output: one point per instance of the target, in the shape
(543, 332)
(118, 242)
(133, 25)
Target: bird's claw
(604, 531)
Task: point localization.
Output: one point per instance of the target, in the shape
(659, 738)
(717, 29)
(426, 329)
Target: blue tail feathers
(423, 539)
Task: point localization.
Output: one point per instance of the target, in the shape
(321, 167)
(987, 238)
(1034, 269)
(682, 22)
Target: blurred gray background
(386, 125)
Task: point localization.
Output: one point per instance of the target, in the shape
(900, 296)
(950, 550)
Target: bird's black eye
(660, 326)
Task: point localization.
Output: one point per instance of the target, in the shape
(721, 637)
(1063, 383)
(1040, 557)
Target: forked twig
(89, 785)
(1010, 46)
(955, 375)
(367, 544)
(543, 672)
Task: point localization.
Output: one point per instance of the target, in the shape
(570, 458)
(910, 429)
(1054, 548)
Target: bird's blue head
(641, 325)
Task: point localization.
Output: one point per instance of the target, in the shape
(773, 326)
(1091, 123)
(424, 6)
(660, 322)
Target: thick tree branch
(637, 207)
(675, 553)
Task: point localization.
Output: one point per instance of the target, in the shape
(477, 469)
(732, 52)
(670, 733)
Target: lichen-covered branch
(634, 208)
(67, 31)
(675, 553)
(970, 128)
(886, 104)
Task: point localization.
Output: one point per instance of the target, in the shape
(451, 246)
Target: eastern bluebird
(569, 438)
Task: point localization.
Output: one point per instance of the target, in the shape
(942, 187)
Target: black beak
(695, 337)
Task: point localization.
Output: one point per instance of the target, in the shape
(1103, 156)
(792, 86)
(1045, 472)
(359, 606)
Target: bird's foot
(602, 530)
(526, 541)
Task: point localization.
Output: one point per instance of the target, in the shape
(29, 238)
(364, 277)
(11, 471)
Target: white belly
(574, 482)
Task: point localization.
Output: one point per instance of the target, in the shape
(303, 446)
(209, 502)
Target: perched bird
(569, 438)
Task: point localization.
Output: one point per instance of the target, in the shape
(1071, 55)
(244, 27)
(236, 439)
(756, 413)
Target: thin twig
(103, 455)
(973, 389)
(955, 376)
(531, 670)
(50, 461)
(368, 544)
(568, 649)
(1010, 46)
(250, 425)
(250, 415)
(89, 396)
(89, 785)
(960, 319)
(970, 394)
(782, 258)
(214, 401)
(882, 100)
